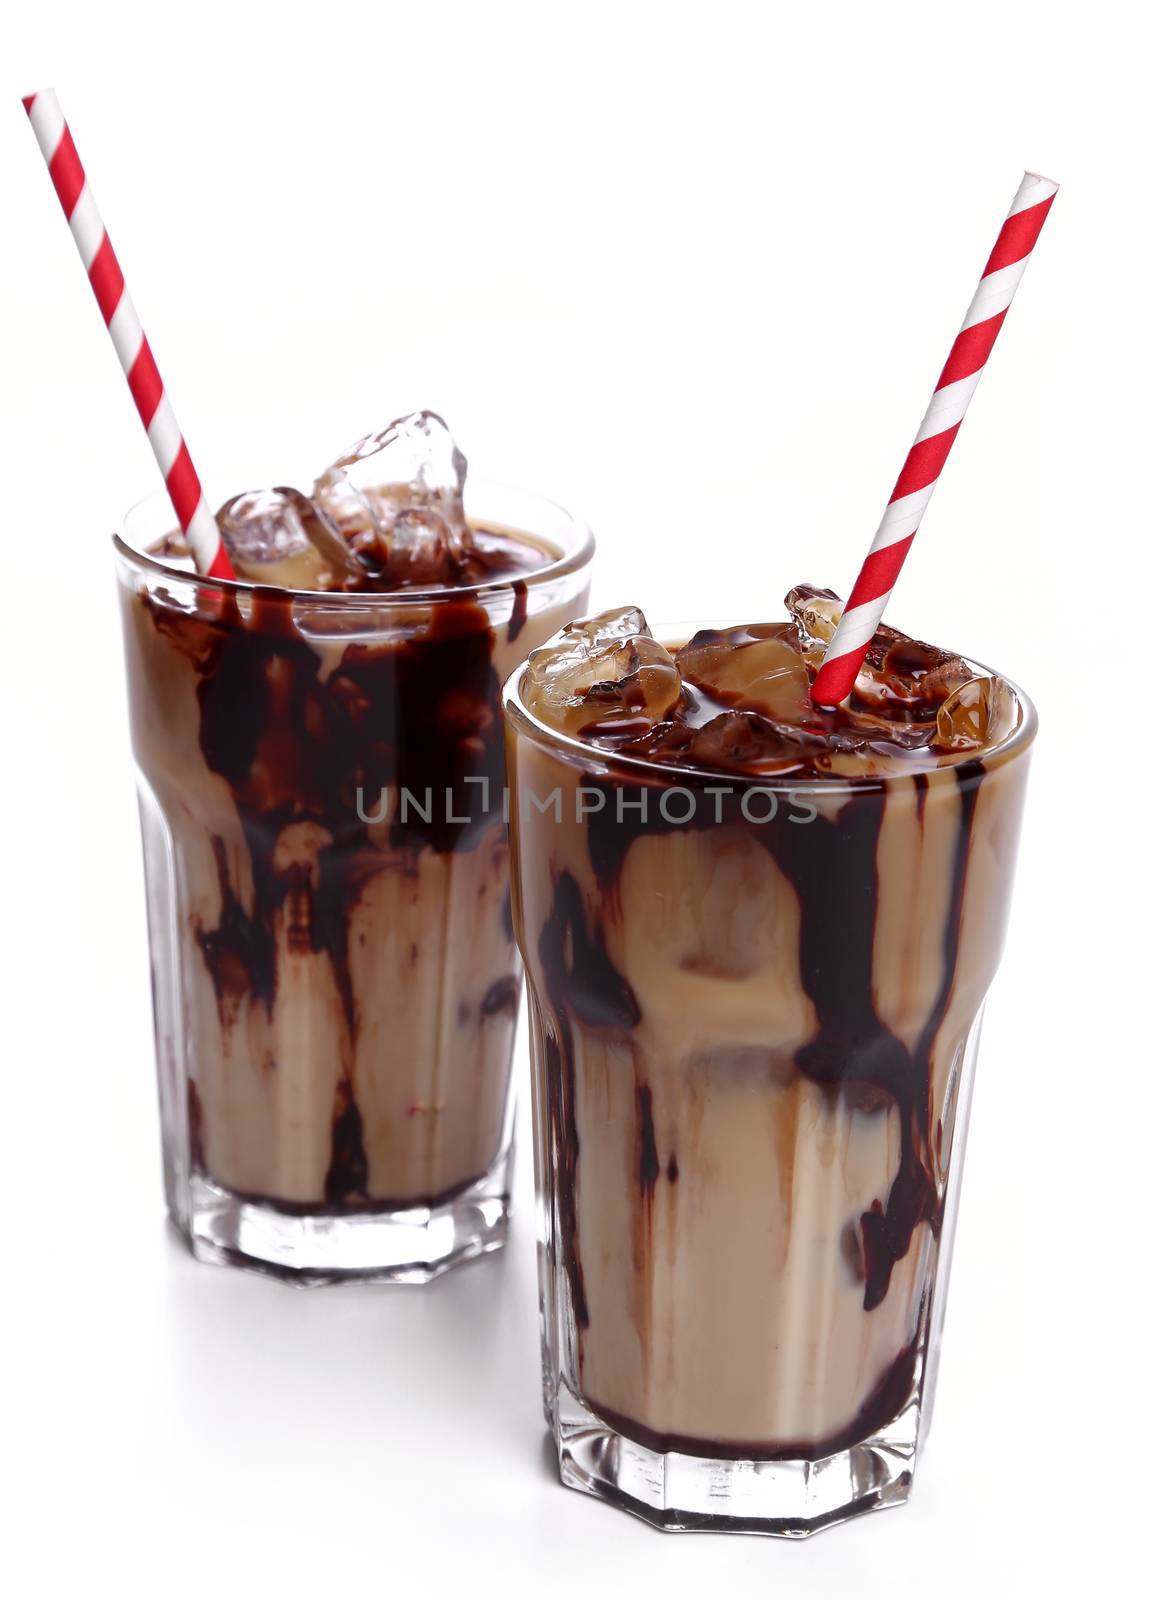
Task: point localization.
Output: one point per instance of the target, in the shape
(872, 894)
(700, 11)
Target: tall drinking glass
(335, 979)
(754, 1012)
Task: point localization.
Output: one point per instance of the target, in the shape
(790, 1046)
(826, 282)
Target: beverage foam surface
(737, 700)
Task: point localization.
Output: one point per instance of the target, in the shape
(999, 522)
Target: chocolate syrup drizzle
(583, 983)
(421, 713)
(648, 1155)
(832, 868)
(521, 608)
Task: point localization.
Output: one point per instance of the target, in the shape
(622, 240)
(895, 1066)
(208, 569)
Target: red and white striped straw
(76, 197)
(948, 406)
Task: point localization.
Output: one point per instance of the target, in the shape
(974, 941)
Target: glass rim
(527, 723)
(571, 560)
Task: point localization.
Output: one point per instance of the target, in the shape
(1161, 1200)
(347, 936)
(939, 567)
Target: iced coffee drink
(758, 937)
(320, 758)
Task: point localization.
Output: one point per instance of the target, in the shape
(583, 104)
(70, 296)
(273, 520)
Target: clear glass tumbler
(335, 980)
(754, 1014)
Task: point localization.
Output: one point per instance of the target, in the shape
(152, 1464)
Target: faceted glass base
(399, 1245)
(683, 1493)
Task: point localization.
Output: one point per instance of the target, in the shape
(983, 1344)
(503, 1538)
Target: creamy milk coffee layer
(758, 937)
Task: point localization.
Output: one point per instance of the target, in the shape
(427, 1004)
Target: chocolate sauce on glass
(831, 864)
(420, 713)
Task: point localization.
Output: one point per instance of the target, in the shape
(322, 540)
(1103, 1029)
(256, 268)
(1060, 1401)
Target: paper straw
(948, 406)
(194, 514)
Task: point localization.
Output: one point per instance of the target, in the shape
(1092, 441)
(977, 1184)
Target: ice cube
(278, 536)
(816, 613)
(609, 627)
(404, 485)
(978, 713)
(417, 552)
(561, 665)
(745, 741)
(904, 678)
(758, 667)
(604, 674)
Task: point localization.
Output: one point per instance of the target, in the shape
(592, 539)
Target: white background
(693, 270)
